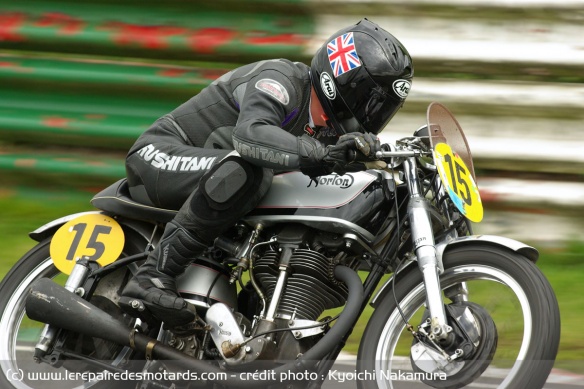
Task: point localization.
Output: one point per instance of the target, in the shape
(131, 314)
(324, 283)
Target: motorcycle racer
(213, 157)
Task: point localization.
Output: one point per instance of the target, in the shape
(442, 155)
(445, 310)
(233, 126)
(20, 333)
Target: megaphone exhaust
(50, 303)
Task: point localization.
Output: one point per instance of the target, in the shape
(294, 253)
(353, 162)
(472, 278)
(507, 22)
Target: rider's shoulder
(284, 66)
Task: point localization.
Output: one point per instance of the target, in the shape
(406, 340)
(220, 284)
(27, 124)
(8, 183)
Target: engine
(293, 275)
(310, 288)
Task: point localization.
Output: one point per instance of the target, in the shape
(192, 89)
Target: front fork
(424, 247)
(74, 282)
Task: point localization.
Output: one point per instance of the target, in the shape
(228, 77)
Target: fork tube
(423, 239)
(76, 279)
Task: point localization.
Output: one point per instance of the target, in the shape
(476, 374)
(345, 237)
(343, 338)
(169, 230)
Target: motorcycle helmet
(362, 76)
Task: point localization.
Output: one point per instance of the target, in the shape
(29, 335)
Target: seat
(115, 199)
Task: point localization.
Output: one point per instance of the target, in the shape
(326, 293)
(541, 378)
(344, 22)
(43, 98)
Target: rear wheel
(20, 334)
(516, 315)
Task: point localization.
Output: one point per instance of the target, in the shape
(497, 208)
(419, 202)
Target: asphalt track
(345, 366)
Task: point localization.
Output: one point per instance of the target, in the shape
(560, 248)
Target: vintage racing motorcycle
(280, 293)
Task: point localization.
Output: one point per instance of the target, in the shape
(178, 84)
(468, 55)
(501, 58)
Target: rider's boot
(154, 284)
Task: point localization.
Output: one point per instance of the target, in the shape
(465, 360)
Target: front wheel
(512, 302)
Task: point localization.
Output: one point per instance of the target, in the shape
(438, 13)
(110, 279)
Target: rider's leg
(232, 188)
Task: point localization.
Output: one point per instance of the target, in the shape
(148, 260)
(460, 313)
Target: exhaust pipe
(50, 303)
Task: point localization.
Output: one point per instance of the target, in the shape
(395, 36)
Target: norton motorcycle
(279, 294)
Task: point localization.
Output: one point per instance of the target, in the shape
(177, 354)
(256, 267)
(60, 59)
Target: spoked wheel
(511, 308)
(20, 334)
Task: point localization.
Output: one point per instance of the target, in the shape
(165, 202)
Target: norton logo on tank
(343, 182)
(295, 190)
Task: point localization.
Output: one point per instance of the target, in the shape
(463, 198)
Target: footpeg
(136, 308)
(154, 314)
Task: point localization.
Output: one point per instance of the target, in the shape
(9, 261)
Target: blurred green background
(80, 81)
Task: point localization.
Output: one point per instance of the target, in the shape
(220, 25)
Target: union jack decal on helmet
(342, 54)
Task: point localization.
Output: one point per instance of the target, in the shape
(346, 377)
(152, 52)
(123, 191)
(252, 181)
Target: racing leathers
(213, 159)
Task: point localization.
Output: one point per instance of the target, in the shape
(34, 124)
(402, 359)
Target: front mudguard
(51, 227)
(143, 229)
(442, 247)
(519, 247)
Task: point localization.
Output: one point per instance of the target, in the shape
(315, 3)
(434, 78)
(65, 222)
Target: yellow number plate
(95, 237)
(458, 182)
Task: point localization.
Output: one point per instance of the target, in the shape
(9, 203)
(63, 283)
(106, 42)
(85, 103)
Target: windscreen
(444, 128)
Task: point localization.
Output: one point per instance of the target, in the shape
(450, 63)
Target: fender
(144, 229)
(521, 248)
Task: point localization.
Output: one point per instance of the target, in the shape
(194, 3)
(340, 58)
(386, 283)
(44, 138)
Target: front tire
(510, 288)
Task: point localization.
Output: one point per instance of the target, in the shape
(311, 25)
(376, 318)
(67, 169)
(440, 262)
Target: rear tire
(20, 334)
(480, 262)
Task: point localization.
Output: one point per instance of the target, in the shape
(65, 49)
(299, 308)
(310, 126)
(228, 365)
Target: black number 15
(93, 243)
(457, 173)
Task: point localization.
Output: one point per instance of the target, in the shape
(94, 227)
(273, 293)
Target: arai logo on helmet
(402, 88)
(328, 86)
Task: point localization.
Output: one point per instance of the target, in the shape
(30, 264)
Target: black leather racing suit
(260, 110)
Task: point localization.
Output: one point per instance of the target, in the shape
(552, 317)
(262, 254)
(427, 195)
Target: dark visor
(370, 110)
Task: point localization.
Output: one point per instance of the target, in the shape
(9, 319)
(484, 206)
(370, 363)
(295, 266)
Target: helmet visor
(375, 112)
(370, 108)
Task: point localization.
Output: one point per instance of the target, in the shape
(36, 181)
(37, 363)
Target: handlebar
(399, 154)
(384, 155)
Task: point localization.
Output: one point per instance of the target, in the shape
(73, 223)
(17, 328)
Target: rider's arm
(270, 99)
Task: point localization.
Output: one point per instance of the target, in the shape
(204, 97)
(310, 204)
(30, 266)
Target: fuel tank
(352, 201)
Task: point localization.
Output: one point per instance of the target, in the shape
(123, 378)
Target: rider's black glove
(317, 160)
(359, 147)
